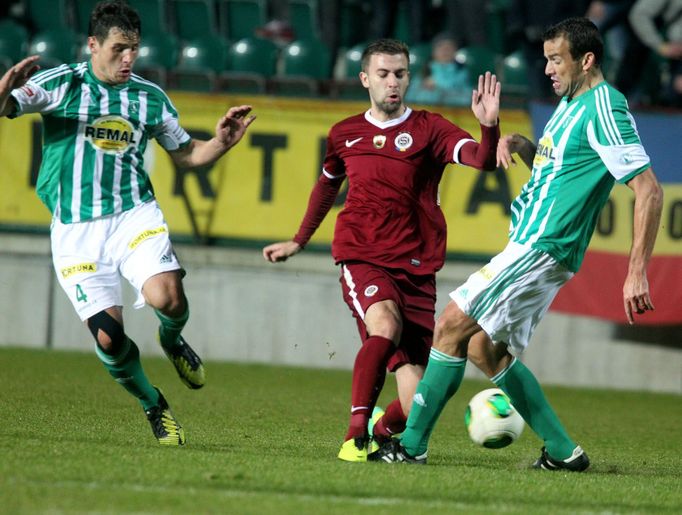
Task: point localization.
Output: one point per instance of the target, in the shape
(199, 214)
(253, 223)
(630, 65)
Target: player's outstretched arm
(646, 219)
(515, 144)
(485, 100)
(228, 132)
(281, 251)
(14, 78)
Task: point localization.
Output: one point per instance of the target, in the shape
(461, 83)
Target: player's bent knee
(107, 331)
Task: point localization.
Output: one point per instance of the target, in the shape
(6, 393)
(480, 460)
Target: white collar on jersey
(388, 123)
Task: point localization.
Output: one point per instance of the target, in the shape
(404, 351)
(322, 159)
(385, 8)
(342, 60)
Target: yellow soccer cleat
(354, 450)
(165, 427)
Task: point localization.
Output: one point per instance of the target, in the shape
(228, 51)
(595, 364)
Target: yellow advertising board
(259, 190)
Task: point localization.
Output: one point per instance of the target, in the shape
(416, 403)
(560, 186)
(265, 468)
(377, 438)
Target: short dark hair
(384, 46)
(113, 13)
(582, 35)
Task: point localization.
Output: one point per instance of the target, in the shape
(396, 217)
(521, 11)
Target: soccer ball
(491, 420)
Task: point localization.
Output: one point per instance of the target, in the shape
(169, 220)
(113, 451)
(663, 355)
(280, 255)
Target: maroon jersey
(391, 216)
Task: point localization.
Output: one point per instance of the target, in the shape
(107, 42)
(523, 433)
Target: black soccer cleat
(392, 451)
(576, 462)
(187, 363)
(165, 427)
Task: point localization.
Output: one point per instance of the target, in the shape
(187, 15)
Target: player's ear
(588, 61)
(92, 43)
(364, 79)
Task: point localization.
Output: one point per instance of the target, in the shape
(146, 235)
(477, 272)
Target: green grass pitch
(263, 439)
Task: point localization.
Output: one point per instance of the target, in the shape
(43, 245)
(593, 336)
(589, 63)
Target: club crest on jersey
(110, 134)
(379, 141)
(403, 141)
(545, 152)
(371, 290)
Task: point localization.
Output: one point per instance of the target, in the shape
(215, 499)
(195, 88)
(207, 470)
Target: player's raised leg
(164, 292)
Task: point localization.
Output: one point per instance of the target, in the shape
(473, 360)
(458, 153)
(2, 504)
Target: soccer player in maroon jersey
(390, 237)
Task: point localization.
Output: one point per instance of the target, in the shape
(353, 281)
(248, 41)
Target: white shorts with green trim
(91, 257)
(511, 294)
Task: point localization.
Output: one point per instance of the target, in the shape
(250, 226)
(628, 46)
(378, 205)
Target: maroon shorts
(363, 284)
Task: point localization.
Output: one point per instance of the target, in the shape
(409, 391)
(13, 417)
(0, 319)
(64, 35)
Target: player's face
(113, 59)
(568, 76)
(386, 79)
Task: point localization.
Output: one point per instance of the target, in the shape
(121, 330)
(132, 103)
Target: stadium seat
(305, 63)
(54, 47)
(303, 18)
(158, 55)
(496, 24)
(154, 15)
(514, 75)
(477, 60)
(13, 41)
(251, 61)
(420, 55)
(201, 61)
(240, 18)
(47, 15)
(194, 19)
(352, 59)
(353, 23)
(346, 85)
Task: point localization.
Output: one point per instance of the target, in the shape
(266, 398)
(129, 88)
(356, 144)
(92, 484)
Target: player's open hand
(281, 251)
(485, 100)
(17, 76)
(636, 297)
(233, 125)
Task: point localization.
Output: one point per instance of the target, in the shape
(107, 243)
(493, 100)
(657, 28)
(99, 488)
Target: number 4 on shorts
(80, 294)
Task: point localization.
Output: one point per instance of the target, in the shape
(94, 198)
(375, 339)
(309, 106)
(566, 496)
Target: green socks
(126, 369)
(441, 380)
(170, 328)
(526, 395)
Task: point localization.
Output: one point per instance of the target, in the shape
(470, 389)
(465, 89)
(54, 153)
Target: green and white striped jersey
(589, 143)
(94, 139)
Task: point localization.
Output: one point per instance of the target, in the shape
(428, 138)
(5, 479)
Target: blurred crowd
(452, 40)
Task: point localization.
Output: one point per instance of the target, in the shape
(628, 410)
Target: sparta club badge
(403, 141)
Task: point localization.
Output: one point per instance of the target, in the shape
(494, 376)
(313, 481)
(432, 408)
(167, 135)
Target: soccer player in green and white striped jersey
(98, 117)
(589, 143)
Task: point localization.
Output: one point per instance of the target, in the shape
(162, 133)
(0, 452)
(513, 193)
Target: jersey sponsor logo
(144, 235)
(371, 290)
(403, 141)
(111, 134)
(486, 273)
(352, 142)
(80, 268)
(379, 141)
(545, 152)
